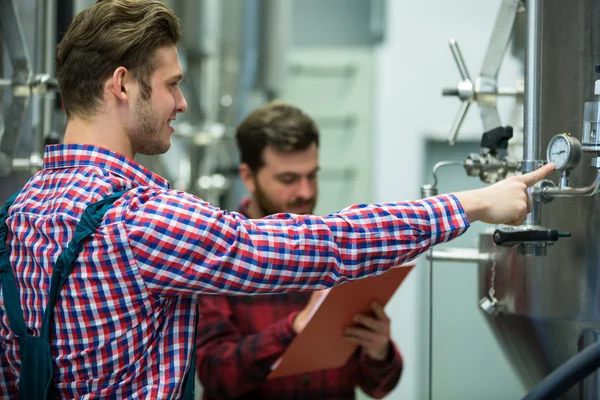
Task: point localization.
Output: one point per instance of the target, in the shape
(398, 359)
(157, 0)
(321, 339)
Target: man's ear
(248, 178)
(118, 83)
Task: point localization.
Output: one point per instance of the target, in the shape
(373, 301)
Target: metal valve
(492, 164)
(484, 89)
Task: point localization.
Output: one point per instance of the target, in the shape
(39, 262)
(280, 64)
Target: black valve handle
(497, 138)
(510, 237)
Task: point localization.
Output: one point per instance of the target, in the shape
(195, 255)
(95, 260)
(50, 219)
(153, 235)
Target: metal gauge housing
(564, 151)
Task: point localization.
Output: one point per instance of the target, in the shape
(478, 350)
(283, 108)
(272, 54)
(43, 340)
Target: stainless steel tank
(550, 305)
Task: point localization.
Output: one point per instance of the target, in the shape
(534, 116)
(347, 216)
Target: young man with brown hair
(130, 255)
(240, 337)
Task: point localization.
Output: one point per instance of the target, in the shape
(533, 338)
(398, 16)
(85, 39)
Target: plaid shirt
(125, 320)
(240, 337)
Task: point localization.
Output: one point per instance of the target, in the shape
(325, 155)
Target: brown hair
(110, 34)
(284, 127)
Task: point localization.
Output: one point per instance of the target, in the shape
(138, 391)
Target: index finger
(533, 177)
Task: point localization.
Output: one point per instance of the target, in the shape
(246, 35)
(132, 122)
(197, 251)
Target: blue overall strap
(12, 303)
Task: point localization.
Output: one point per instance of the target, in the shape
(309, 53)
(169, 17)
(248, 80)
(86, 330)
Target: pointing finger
(533, 177)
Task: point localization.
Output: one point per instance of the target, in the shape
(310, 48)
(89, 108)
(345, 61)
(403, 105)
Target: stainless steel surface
(532, 101)
(487, 102)
(533, 78)
(484, 89)
(500, 38)
(564, 179)
(549, 302)
(488, 75)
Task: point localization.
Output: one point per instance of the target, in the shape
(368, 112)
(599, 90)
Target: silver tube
(37, 103)
(442, 164)
(49, 59)
(460, 255)
(531, 136)
(460, 62)
(553, 192)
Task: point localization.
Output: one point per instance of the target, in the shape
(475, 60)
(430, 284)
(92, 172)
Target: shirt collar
(84, 155)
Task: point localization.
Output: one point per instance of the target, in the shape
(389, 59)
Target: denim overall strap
(9, 286)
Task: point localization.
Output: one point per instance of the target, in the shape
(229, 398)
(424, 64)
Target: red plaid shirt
(240, 337)
(125, 320)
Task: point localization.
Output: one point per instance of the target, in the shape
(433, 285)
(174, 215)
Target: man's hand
(372, 333)
(506, 202)
(302, 318)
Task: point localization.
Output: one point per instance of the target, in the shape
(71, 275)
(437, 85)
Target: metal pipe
(460, 255)
(38, 108)
(460, 62)
(49, 98)
(441, 164)
(531, 136)
(590, 190)
(429, 190)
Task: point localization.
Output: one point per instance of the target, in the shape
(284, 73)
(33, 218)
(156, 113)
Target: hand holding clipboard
(321, 344)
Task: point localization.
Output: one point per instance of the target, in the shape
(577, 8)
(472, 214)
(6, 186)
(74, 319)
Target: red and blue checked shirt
(125, 320)
(240, 337)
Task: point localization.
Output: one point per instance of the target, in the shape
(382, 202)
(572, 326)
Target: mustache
(302, 202)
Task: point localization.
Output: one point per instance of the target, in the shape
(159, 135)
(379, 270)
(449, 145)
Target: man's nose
(181, 104)
(306, 189)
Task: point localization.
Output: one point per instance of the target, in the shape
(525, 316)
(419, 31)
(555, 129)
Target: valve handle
(510, 237)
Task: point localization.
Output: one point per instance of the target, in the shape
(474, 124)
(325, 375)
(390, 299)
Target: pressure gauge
(564, 151)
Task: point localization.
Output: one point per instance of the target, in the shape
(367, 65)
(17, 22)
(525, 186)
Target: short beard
(145, 133)
(267, 207)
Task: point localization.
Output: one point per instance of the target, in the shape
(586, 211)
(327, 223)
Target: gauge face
(558, 152)
(564, 151)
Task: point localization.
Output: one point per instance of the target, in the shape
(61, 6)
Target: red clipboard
(321, 345)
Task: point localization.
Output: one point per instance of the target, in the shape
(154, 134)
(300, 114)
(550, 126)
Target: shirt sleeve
(228, 364)
(183, 245)
(378, 378)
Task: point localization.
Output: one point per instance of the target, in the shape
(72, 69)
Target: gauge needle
(560, 152)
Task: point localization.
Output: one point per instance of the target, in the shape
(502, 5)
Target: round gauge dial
(564, 151)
